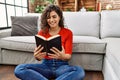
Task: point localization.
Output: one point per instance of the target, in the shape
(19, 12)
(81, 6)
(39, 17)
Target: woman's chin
(52, 26)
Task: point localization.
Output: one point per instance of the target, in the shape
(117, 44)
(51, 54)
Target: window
(10, 8)
(3, 21)
(3, 1)
(11, 11)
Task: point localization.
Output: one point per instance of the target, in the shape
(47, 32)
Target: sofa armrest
(5, 33)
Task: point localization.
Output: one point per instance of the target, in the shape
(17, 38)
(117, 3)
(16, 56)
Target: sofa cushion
(80, 44)
(24, 25)
(35, 14)
(83, 23)
(22, 43)
(113, 53)
(110, 24)
(88, 44)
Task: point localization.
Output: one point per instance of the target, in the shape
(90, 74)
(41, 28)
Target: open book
(54, 41)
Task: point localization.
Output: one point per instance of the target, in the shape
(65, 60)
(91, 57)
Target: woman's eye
(54, 16)
(48, 17)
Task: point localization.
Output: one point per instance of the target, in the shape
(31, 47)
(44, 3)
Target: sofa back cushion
(83, 23)
(37, 15)
(110, 24)
(24, 25)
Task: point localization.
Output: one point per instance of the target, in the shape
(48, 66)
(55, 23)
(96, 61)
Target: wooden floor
(7, 73)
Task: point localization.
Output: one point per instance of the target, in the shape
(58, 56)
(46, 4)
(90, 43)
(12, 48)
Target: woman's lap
(63, 72)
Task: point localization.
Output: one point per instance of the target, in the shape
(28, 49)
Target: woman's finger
(41, 55)
(37, 48)
(63, 48)
(53, 56)
(38, 51)
(55, 50)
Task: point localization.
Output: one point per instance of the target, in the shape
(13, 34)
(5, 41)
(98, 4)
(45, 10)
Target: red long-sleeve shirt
(66, 37)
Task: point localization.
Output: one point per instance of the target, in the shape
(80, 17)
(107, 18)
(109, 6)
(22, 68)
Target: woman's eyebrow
(53, 14)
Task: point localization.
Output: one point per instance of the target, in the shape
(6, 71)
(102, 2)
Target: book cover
(54, 41)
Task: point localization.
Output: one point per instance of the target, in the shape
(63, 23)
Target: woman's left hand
(59, 54)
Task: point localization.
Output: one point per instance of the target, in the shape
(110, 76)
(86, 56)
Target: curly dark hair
(46, 13)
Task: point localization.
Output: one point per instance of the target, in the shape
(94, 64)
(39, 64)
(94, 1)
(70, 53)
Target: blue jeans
(49, 69)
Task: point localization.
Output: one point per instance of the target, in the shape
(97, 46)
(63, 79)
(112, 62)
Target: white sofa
(110, 33)
(96, 40)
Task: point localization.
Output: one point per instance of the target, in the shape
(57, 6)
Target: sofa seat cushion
(80, 44)
(22, 43)
(88, 44)
(113, 53)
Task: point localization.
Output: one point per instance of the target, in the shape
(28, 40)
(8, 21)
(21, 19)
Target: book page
(41, 37)
(53, 37)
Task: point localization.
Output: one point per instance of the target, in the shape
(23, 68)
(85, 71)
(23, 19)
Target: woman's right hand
(38, 54)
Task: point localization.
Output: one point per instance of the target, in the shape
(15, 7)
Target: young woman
(53, 66)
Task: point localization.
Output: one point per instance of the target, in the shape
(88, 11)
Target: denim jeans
(49, 69)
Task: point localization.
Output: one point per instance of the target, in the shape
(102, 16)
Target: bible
(54, 41)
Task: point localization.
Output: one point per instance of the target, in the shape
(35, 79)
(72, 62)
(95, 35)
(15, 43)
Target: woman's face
(53, 19)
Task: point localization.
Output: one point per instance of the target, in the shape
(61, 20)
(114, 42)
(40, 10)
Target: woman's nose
(51, 19)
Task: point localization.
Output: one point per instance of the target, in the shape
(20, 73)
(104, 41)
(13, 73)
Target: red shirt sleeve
(67, 40)
(68, 43)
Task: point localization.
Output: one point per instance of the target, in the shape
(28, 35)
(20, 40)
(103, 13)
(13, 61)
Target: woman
(53, 66)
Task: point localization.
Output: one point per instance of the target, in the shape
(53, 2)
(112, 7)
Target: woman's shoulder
(41, 32)
(66, 30)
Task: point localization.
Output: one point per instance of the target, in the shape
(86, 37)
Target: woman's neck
(54, 31)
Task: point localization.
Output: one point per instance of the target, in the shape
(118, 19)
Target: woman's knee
(80, 72)
(19, 69)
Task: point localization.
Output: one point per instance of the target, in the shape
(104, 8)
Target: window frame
(14, 5)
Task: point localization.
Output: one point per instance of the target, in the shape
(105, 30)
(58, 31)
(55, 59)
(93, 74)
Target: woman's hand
(38, 54)
(59, 54)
